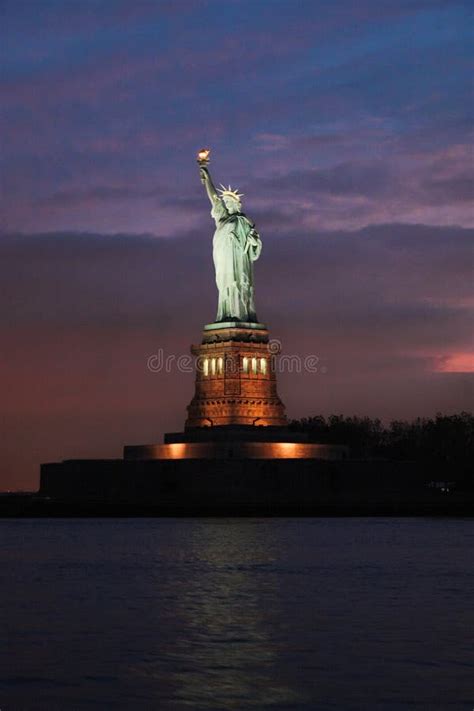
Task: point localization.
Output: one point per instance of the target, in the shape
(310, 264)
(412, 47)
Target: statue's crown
(230, 193)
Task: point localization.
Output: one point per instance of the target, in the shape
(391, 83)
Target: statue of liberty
(236, 245)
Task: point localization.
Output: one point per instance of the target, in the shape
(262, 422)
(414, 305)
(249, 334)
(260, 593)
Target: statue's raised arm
(236, 245)
(206, 180)
(204, 174)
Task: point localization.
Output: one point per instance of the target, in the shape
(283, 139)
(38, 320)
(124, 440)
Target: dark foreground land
(34, 506)
(419, 468)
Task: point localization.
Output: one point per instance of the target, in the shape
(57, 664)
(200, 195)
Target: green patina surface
(236, 246)
(234, 324)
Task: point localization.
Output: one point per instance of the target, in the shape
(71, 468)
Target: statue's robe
(236, 245)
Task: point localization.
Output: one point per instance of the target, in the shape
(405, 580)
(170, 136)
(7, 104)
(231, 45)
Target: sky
(348, 127)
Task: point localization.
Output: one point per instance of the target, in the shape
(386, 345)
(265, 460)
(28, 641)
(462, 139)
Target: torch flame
(204, 154)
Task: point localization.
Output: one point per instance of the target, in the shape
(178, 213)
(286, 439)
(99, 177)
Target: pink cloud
(456, 363)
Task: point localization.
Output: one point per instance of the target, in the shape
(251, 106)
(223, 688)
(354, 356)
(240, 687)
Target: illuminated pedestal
(235, 378)
(236, 454)
(236, 412)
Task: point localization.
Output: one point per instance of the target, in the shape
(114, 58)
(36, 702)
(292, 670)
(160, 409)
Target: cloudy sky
(347, 126)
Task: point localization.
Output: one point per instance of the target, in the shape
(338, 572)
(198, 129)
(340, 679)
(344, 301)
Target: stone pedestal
(236, 455)
(235, 378)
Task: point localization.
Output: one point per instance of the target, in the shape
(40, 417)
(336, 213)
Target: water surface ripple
(328, 614)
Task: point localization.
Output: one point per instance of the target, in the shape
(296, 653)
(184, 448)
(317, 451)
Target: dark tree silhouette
(446, 443)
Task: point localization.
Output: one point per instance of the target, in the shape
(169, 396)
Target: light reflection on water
(225, 653)
(234, 614)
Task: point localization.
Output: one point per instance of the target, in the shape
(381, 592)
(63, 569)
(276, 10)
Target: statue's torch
(203, 157)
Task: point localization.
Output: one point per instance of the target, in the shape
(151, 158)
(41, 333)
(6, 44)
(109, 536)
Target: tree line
(444, 439)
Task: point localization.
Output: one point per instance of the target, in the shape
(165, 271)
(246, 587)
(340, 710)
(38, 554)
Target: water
(300, 614)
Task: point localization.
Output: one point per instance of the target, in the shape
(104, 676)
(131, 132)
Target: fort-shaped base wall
(236, 449)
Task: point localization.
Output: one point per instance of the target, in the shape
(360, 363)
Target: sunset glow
(457, 363)
(348, 127)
